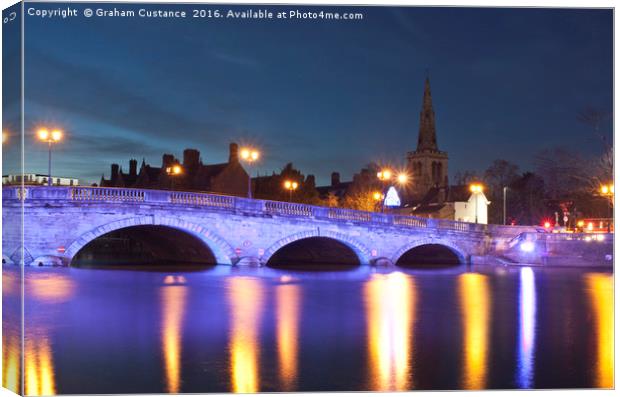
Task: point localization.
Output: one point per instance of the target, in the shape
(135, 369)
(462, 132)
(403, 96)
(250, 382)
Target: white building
(456, 203)
(466, 211)
(38, 179)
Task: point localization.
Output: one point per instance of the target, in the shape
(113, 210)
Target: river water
(244, 330)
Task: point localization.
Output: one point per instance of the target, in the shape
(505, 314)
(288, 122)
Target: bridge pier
(382, 262)
(249, 261)
(50, 260)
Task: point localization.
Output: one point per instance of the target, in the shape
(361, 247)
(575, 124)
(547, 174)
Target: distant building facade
(427, 165)
(38, 179)
(271, 187)
(454, 203)
(225, 178)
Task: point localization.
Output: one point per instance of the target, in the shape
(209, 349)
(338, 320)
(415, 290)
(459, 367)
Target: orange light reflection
(474, 297)
(288, 298)
(600, 287)
(39, 365)
(390, 306)
(246, 304)
(173, 299)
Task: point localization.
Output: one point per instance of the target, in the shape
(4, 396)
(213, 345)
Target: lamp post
(250, 156)
(608, 191)
(378, 197)
(476, 189)
(50, 137)
(384, 176)
(505, 191)
(173, 171)
(290, 186)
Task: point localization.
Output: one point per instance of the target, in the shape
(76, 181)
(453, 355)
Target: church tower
(427, 164)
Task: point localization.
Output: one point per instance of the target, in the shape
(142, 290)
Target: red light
(60, 249)
(547, 225)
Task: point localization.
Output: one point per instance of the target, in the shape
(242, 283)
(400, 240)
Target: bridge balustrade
(282, 208)
(86, 194)
(210, 200)
(409, 221)
(348, 215)
(83, 193)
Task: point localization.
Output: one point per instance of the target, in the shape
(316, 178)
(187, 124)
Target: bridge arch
(449, 248)
(222, 251)
(361, 252)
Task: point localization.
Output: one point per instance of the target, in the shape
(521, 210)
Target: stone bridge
(61, 222)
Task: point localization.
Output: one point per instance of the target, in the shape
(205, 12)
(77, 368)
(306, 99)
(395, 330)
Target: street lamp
(384, 176)
(173, 171)
(290, 186)
(608, 191)
(402, 179)
(476, 189)
(505, 191)
(50, 137)
(250, 155)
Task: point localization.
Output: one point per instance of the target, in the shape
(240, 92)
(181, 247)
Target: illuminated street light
(290, 186)
(54, 137)
(377, 196)
(402, 178)
(476, 189)
(173, 171)
(384, 175)
(608, 191)
(249, 155)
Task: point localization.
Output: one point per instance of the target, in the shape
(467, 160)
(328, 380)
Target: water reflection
(51, 288)
(11, 361)
(288, 300)
(39, 369)
(390, 310)
(11, 329)
(474, 297)
(173, 300)
(246, 304)
(600, 287)
(527, 327)
(45, 291)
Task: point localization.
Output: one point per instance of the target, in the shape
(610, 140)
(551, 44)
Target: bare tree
(601, 169)
(593, 118)
(465, 177)
(562, 170)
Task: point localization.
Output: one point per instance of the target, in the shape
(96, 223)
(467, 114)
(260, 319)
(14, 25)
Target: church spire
(427, 139)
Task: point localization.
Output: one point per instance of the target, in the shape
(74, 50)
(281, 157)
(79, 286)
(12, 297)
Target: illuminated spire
(427, 139)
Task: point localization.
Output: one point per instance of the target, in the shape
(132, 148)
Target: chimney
(335, 179)
(114, 172)
(191, 158)
(167, 160)
(233, 153)
(133, 167)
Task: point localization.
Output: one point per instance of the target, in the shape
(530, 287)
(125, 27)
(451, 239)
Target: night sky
(325, 95)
